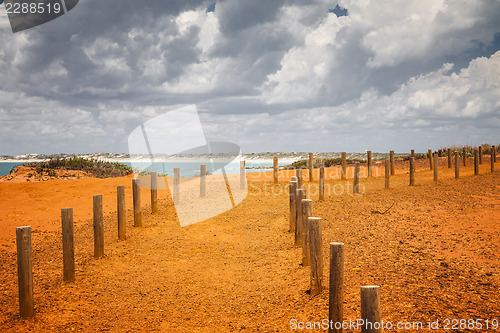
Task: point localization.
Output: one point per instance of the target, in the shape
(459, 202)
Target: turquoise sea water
(5, 167)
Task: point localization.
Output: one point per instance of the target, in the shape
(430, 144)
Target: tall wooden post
(457, 168)
(476, 162)
(300, 180)
(412, 171)
(356, 179)
(177, 180)
(243, 178)
(25, 271)
(429, 154)
(136, 193)
(301, 194)
(203, 180)
(370, 309)
(480, 154)
(336, 296)
(98, 227)
(449, 158)
(322, 183)
(120, 209)
(369, 162)
(435, 167)
(464, 156)
(492, 158)
(311, 167)
(293, 205)
(387, 173)
(391, 158)
(68, 245)
(154, 192)
(343, 172)
(306, 213)
(412, 153)
(275, 169)
(315, 243)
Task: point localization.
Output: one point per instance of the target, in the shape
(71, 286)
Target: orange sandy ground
(433, 249)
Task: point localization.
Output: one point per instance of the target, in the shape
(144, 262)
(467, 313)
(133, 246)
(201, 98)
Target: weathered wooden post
(435, 167)
(492, 158)
(315, 243)
(98, 227)
(136, 194)
(68, 245)
(300, 180)
(203, 180)
(449, 158)
(336, 296)
(301, 194)
(369, 162)
(476, 162)
(243, 178)
(154, 192)
(412, 171)
(293, 204)
(429, 154)
(25, 271)
(120, 210)
(275, 169)
(412, 153)
(391, 158)
(306, 213)
(387, 173)
(457, 168)
(356, 179)
(311, 167)
(322, 183)
(370, 309)
(480, 154)
(343, 172)
(465, 156)
(177, 180)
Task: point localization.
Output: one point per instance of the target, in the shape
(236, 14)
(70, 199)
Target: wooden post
(68, 245)
(98, 227)
(154, 192)
(25, 271)
(412, 171)
(369, 162)
(492, 158)
(449, 158)
(301, 194)
(476, 162)
(275, 169)
(293, 205)
(243, 178)
(370, 309)
(391, 158)
(429, 154)
(412, 153)
(177, 180)
(136, 193)
(336, 297)
(480, 154)
(465, 156)
(315, 243)
(203, 180)
(435, 167)
(120, 196)
(306, 213)
(457, 168)
(387, 173)
(356, 179)
(300, 180)
(322, 183)
(311, 167)
(343, 172)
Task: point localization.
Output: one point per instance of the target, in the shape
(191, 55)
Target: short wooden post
(391, 158)
(480, 154)
(120, 209)
(412, 153)
(429, 154)
(177, 179)
(492, 158)
(412, 171)
(275, 169)
(243, 178)
(449, 158)
(435, 167)
(25, 271)
(457, 168)
(464, 156)
(136, 193)
(387, 173)
(311, 167)
(336, 296)
(315, 243)
(293, 205)
(322, 183)
(98, 227)
(370, 309)
(476, 162)
(343, 173)
(369, 162)
(356, 179)
(154, 192)
(300, 180)
(68, 245)
(306, 213)
(494, 153)
(301, 194)
(203, 180)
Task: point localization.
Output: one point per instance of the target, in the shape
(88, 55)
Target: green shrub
(97, 168)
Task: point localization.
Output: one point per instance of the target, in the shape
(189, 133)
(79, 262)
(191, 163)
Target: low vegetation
(97, 168)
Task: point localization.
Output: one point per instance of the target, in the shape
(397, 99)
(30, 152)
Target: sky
(281, 75)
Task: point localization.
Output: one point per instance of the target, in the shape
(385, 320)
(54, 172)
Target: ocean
(5, 167)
